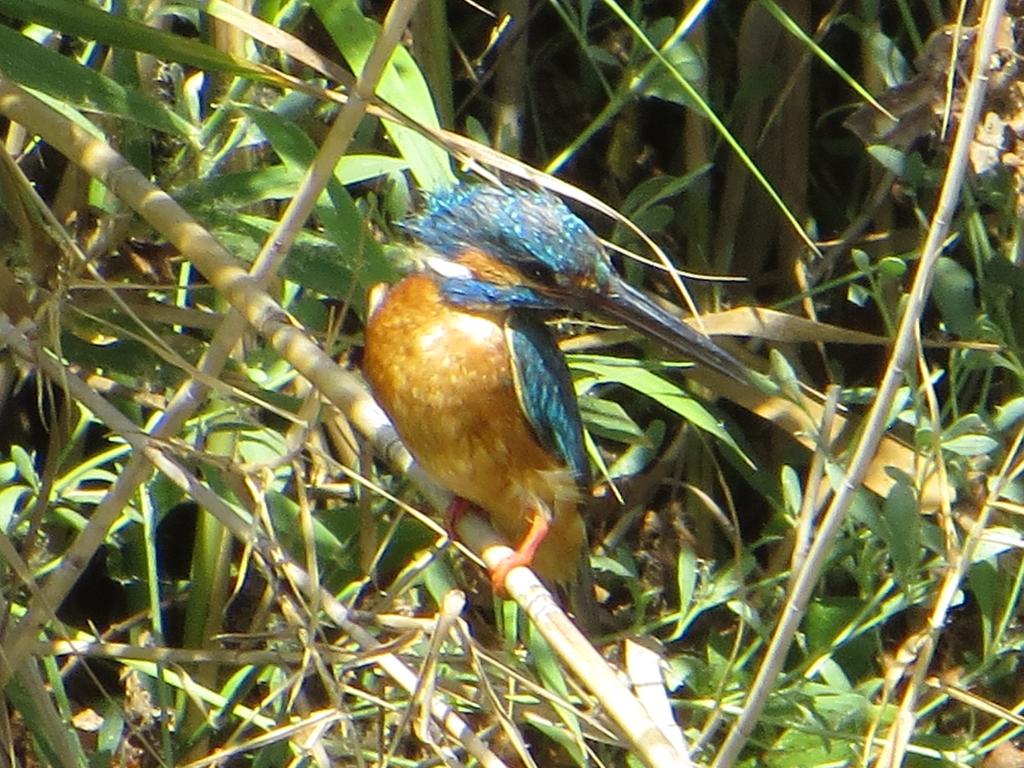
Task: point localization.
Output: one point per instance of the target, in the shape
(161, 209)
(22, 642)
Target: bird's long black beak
(623, 302)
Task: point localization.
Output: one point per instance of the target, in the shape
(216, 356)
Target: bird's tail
(582, 599)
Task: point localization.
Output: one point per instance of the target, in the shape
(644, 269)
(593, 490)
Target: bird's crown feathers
(533, 231)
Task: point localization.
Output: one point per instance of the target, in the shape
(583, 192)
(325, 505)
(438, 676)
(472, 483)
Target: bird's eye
(539, 272)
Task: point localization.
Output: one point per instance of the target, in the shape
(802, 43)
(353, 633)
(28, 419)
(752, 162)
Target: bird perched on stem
(459, 357)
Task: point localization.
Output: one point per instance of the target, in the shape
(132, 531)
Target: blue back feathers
(531, 230)
(546, 393)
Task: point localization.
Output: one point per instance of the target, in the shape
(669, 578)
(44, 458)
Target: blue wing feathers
(546, 394)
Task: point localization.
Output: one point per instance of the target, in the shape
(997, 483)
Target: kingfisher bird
(459, 356)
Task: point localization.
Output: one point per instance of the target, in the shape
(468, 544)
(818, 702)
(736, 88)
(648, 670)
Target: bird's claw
(523, 556)
(457, 508)
(500, 572)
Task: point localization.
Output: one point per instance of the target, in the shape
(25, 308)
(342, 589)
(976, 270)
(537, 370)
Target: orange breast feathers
(443, 375)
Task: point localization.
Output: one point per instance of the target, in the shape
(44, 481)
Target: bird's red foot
(522, 556)
(457, 507)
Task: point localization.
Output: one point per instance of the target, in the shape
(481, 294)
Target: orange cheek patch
(489, 269)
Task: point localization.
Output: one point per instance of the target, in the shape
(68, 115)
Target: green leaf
(550, 670)
(272, 182)
(953, 291)
(1004, 273)
(402, 85)
(1009, 414)
(901, 530)
(63, 78)
(659, 189)
(132, 358)
(358, 250)
(557, 734)
(110, 734)
(887, 58)
(967, 436)
(608, 419)
(857, 295)
(686, 577)
(967, 424)
(998, 540)
(336, 550)
(893, 160)
(313, 261)
(663, 83)
(638, 456)
(796, 749)
(899, 403)
(812, 44)
(631, 374)
(892, 267)
(83, 20)
(825, 619)
(784, 376)
(861, 260)
(971, 445)
(353, 169)
(279, 182)
(983, 579)
(792, 492)
(26, 465)
(39, 715)
(10, 499)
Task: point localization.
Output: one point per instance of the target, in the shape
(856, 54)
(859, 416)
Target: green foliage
(718, 134)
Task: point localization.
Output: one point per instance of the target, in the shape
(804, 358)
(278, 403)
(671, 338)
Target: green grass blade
(794, 29)
(42, 69)
(631, 374)
(77, 18)
(401, 85)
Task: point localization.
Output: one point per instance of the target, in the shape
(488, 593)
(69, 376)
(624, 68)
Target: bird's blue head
(525, 241)
(515, 248)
